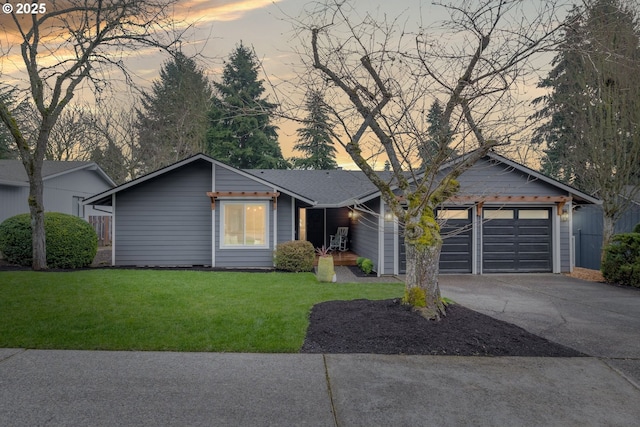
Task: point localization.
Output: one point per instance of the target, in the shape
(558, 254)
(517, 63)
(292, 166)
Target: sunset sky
(265, 25)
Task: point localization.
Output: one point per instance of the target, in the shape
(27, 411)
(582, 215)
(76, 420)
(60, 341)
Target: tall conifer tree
(592, 130)
(241, 132)
(315, 136)
(172, 122)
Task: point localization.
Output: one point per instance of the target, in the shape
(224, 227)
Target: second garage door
(516, 240)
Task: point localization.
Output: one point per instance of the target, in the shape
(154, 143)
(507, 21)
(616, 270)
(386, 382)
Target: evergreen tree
(592, 130)
(438, 130)
(240, 130)
(7, 151)
(172, 122)
(315, 136)
(112, 161)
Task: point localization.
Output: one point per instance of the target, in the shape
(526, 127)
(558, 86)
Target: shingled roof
(329, 188)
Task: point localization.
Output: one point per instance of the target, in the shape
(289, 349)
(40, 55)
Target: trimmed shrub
(296, 255)
(367, 266)
(359, 261)
(71, 241)
(621, 263)
(636, 229)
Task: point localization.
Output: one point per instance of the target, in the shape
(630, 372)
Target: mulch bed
(389, 327)
(357, 271)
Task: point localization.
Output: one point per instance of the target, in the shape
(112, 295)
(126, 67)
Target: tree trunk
(421, 284)
(36, 209)
(608, 226)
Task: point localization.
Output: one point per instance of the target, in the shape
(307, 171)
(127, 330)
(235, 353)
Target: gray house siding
(59, 193)
(286, 219)
(166, 221)
(488, 178)
(565, 245)
(389, 243)
(13, 201)
(230, 180)
(364, 233)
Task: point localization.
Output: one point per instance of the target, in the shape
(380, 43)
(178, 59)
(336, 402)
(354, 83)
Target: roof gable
(12, 172)
(104, 197)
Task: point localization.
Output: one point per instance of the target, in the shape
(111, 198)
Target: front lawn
(166, 310)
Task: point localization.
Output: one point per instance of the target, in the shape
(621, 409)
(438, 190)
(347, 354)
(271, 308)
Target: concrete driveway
(597, 319)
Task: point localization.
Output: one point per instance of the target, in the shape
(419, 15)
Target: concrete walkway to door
(595, 318)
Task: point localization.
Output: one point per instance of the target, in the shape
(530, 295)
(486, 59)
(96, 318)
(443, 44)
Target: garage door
(455, 256)
(516, 240)
(456, 246)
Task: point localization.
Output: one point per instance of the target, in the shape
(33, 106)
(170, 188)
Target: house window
(77, 208)
(245, 224)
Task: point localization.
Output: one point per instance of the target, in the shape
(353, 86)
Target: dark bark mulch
(357, 271)
(389, 327)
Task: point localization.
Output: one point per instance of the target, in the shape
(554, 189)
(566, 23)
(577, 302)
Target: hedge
(71, 241)
(621, 264)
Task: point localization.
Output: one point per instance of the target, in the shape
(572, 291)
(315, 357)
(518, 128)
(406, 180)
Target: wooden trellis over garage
(560, 201)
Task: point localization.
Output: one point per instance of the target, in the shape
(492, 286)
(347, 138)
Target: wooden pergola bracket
(273, 195)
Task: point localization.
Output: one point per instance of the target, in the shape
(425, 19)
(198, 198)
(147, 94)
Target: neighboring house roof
(12, 172)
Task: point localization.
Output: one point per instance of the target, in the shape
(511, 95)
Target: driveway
(597, 319)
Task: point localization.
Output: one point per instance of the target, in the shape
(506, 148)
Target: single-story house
(199, 211)
(65, 186)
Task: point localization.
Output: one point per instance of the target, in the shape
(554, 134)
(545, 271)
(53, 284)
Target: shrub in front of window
(621, 263)
(297, 256)
(71, 241)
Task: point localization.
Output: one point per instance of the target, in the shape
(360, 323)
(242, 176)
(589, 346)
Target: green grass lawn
(166, 310)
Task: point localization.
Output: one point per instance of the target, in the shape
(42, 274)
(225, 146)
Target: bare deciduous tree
(73, 137)
(384, 74)
(67, 46)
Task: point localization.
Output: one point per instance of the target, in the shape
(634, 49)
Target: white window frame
(243, 203)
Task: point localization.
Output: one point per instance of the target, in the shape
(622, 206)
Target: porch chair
(338, 241)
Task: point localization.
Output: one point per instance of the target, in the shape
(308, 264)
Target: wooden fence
(103, 226)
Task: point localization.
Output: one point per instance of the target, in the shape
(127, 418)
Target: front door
(315, 227)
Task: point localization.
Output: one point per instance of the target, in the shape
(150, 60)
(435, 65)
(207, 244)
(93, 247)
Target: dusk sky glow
(216, 28)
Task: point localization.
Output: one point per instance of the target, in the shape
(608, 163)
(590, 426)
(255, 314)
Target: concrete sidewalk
(41, 387)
